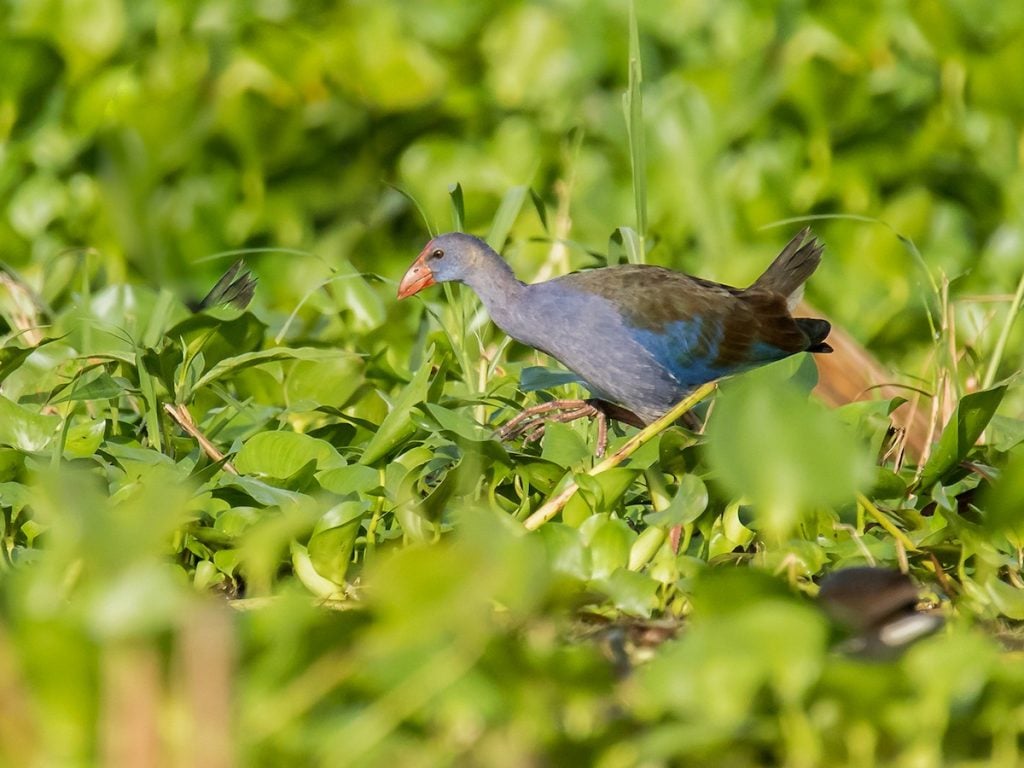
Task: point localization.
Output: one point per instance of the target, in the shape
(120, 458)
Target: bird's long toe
(529, 424)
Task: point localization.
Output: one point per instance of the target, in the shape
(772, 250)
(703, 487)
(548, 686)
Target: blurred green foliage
(387, 605)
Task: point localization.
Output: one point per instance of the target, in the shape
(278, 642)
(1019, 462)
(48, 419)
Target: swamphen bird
(640, 337)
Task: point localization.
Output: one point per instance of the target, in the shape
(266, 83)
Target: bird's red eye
(436, 254)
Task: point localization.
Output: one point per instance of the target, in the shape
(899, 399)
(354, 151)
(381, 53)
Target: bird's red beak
(417, 278)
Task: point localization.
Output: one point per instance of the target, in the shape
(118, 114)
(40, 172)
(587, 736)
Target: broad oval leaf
(355, 478)
(334, 536)
(23, 428)
(687, 504)
(310, 384)
(282, 454)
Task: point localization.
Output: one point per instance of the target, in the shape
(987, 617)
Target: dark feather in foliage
(236, 287)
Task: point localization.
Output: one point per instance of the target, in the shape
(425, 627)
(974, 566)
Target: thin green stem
(1004, 335)
(876, 514)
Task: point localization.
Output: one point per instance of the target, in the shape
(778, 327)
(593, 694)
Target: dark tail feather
(792, 267)
(816, 331)
(235, 287)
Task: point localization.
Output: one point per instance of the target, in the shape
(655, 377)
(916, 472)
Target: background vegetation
(386, 606)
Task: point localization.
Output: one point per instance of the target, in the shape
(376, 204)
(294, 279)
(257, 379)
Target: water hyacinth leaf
(234, 521)
(539, 473)
(609, 541)
(334, 535)
(646, 547)
(237, 363)
(84, 440)
(563, 445)
(398, 424)
(11, 357)
(687, 504)
(281, 454)
(782, 452)
(306, 572)
(356, 299)
(25, 429)
(457, 424)
(671, 447)
(959, 436)
(12, 462)
(331, 382)
(354, 478)
(1009, 600)
(15, 496)
(259, 491)
(1005, 433)
(566, 551)
(632, 593)
(600, 493)
(1002, 503)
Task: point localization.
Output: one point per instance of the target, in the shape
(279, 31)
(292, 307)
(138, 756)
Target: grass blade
(633, 106)
(1004, 335)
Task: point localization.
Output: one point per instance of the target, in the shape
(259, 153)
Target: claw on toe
(530, 423)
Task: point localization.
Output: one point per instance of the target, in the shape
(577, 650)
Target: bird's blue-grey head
(453, 256)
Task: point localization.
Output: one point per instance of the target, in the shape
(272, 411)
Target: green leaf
(219, 339)
(273, 355)
(102, 386)
(784, 453)
(359, 303)
(968, 421)
(12, 461)
(259, 491)
(458, 424)
(534, 378)
(598, 493)
(84, 440)
(633, 593)
(566, 551)
(15, 497)
(563, 445)
(458, 206)
(1005, 433)
(609, 541)
(331, 381)
(627, 242)
(330, 547)
(687, 504)
(1007, 599)
(398, 424)
(505, 216)
(25, 429)
(306, 572)
(355, 478)
(281, 454)
(11, 357)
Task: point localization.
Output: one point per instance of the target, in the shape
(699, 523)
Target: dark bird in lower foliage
(877, 609)
(640, 337)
